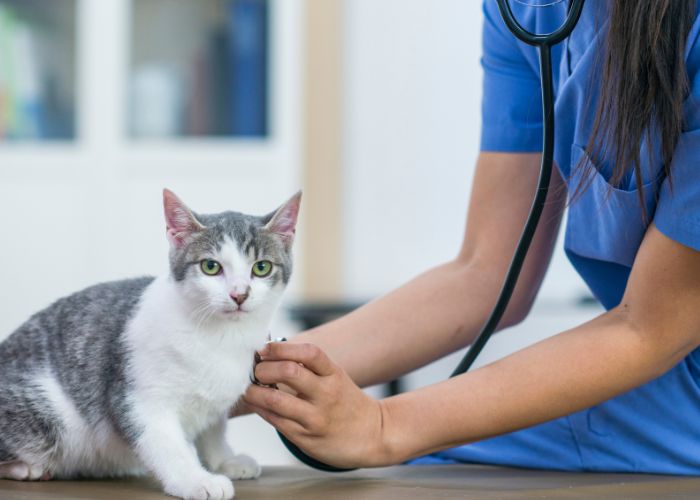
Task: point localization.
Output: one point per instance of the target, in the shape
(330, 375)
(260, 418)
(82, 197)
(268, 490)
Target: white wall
(412, 90)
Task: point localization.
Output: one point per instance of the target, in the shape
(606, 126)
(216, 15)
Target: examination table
(402, 482)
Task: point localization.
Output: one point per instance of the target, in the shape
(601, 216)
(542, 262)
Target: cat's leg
(219, 457)
(21, 471)
(28, 431)
(165, 450)
(17, 470)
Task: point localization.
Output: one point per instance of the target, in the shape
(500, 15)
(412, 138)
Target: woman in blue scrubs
(619, 393)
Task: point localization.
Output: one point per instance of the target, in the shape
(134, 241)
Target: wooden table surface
(403, 482)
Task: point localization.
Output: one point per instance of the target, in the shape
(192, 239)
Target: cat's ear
(179, 220)
(283, 221)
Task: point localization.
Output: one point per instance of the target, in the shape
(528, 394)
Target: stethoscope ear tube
(544, 43)
(550, 39)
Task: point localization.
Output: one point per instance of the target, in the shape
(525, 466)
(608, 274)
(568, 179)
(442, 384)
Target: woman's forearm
(432, 315)
(653, 328)
(563, 374)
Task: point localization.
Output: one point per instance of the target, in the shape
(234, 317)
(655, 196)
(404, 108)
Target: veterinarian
(618, 393)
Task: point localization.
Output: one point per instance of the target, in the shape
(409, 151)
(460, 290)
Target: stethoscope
(544, 43)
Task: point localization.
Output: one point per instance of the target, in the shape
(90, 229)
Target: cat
(137, 376)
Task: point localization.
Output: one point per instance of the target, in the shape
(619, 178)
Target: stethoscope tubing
(544, 44)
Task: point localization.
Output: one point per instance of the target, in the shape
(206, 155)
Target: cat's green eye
(210, 267)
(262, 268)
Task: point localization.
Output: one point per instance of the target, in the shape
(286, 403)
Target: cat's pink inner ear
(179, 220)
(284, 220)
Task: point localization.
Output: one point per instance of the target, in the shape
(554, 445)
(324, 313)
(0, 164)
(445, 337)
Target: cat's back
(102, 309)
(64, 379)
(82, 324)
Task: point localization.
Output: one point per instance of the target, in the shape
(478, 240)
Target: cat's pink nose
(238, 298)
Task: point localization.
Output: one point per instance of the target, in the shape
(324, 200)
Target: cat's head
(230, 265)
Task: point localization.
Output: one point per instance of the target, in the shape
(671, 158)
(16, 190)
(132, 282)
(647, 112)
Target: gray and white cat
(137, 376)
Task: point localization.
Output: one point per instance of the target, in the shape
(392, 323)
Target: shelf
(37, 70)
(198, 68)
(116, 38)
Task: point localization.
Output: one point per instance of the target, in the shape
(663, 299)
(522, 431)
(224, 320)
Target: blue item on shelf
(248, 36)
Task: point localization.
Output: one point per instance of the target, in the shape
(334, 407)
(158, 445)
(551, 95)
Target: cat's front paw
(240, 467)
(204, 487)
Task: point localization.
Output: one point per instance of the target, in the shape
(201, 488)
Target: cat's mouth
(234, 313)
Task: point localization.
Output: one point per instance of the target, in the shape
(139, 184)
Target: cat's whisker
(203, 316)
(199, 312)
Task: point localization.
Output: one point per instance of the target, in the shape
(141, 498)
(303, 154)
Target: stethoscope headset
(544, 44)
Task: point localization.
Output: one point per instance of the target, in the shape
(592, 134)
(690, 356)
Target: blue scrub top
(656, 427)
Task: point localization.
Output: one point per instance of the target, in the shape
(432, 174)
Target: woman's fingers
(289, 373)
(310, 355)
(279, 403)
(330, 417)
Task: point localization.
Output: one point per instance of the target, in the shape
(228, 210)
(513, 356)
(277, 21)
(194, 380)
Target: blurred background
(373, 108)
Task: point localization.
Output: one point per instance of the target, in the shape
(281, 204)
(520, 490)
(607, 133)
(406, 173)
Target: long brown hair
(643, 85)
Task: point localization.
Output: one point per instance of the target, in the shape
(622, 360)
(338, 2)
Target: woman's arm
(655, 326)
(441, 310)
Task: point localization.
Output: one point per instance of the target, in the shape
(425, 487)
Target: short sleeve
(678, 211)
(511, 105)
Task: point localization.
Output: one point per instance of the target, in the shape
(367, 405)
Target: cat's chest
(217, 368)
(213, 386)
(220, 375)
(196, 374)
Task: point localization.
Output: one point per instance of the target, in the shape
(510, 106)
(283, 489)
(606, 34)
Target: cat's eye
(262, 268)
(210, 267)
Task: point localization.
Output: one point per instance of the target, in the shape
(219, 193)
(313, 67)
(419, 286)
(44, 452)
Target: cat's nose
(238, 298)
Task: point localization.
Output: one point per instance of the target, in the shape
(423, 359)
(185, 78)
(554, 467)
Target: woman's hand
(330, 418)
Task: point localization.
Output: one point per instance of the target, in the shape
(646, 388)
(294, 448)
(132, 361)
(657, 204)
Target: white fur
(189, 365)
(189, 368)
(95, 450)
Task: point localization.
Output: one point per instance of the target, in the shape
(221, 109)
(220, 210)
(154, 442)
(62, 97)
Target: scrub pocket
(605, 223)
